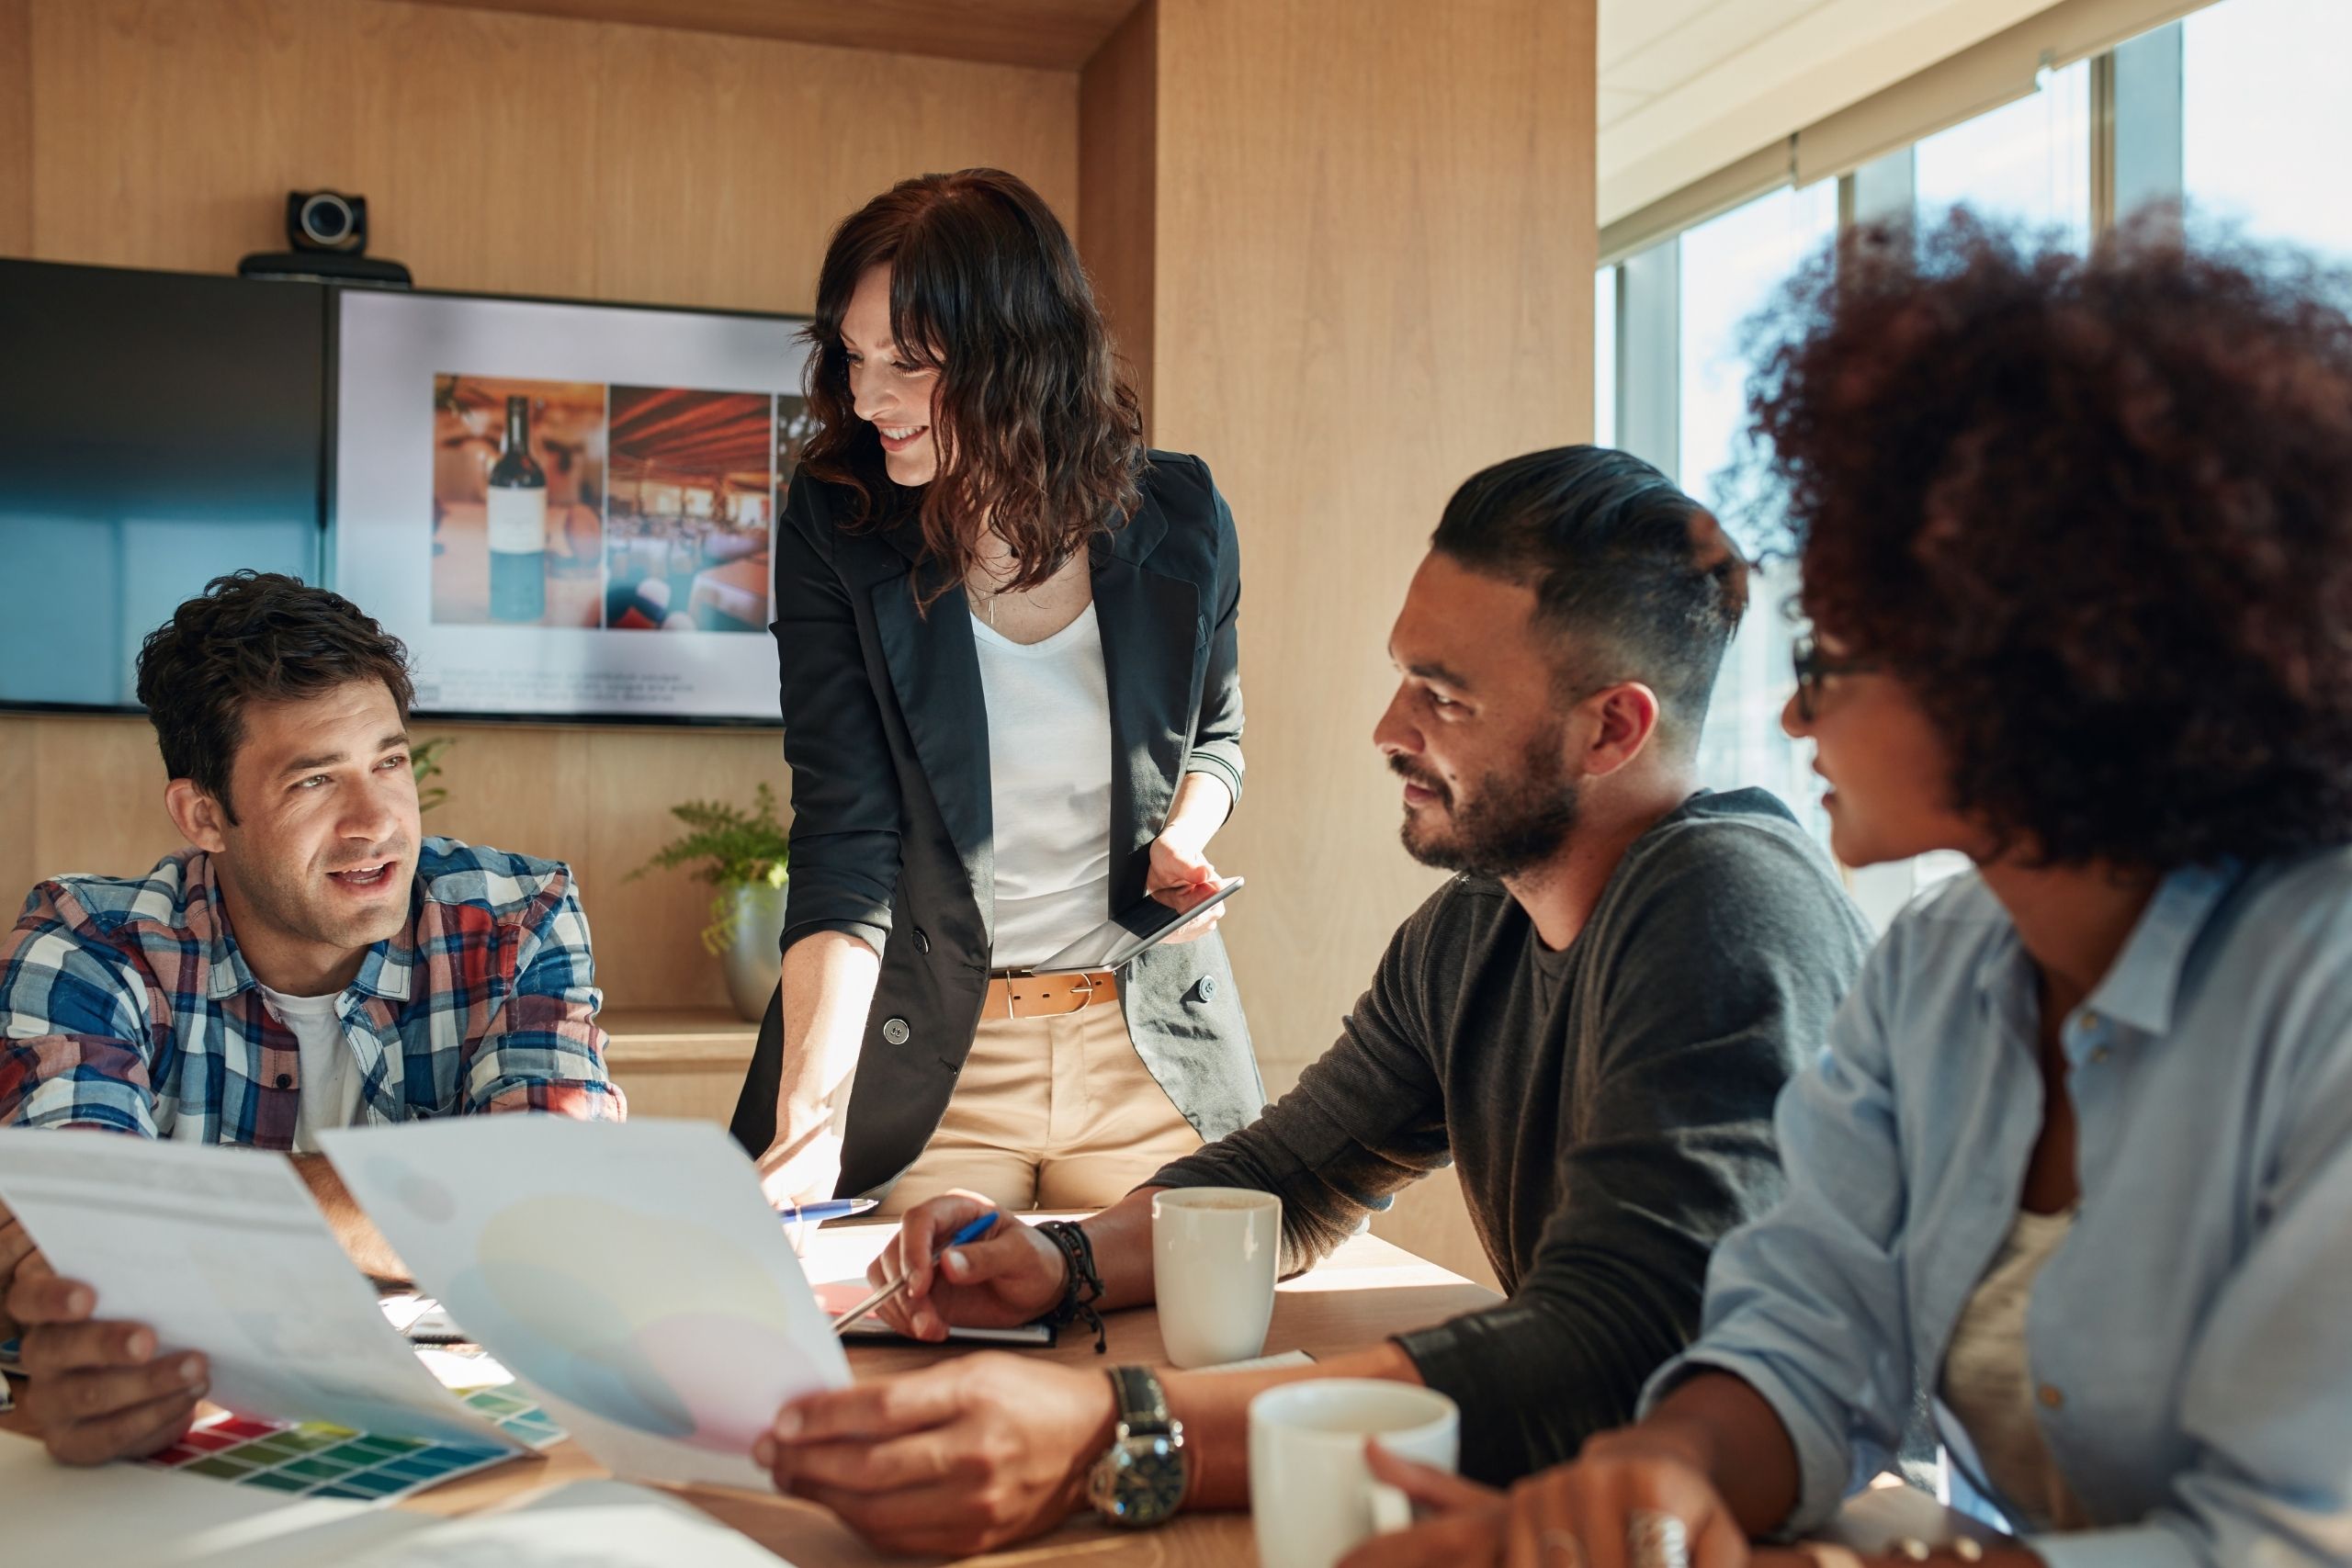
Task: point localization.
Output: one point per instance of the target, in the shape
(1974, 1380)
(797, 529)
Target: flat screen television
(156, 430)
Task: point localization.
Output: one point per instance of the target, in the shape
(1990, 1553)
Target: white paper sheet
(1261, 1363)
(630, 1274)
(587, 1524)
(222, 1250)
(127, 1516)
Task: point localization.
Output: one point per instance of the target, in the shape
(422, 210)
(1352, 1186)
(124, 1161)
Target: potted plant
(424, 760)
(743, 855)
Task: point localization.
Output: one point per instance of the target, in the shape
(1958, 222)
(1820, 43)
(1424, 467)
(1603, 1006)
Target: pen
(829, 1208)
(971, 1231)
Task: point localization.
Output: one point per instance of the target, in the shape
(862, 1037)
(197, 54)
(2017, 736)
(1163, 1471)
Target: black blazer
(886, 729)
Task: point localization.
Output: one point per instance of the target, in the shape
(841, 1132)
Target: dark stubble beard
(1512, 821)
(292, 904)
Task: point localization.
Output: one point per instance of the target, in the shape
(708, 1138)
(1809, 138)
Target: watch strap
(1143, 1404)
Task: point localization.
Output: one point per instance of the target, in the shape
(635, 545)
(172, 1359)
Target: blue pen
(829, 1208)
(970, 1233)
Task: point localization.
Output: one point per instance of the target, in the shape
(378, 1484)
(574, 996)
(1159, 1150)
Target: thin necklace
(994, 594)
(1001, 588)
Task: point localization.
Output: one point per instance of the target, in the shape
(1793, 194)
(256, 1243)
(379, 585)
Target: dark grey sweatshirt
(1610, 1107)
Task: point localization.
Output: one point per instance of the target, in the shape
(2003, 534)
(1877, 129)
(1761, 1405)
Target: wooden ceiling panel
(675, 432)
(1059, 35)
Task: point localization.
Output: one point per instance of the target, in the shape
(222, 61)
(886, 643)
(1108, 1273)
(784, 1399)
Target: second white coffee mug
(1312, 1497)
(1215, 1253)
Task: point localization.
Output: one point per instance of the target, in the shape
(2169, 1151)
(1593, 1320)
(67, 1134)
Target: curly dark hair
(2095, 512)
(1037, 432)
(253, 637)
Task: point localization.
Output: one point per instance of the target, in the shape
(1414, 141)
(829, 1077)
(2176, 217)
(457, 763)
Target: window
(1604, 358)
(2265, 123)
(2028, 159)
(1730, 268)
(2240, 106)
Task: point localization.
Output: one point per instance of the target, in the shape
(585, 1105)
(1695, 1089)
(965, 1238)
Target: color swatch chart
(314, 1459)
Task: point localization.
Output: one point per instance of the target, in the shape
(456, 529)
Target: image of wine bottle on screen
(518, 501)
(517, 524)
(687, 525)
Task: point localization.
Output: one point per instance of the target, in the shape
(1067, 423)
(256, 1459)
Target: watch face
(1140, 1481)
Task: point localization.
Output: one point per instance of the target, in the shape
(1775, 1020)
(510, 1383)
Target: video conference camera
(327, 232)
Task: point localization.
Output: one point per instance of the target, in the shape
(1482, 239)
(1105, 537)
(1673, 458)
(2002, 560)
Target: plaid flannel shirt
(125, 1004)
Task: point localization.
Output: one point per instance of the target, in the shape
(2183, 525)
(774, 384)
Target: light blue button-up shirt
(2191, 1339)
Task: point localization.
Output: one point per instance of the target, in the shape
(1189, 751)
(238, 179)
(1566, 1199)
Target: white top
(1050, 785)
(330, 1081)
(1990, 1388)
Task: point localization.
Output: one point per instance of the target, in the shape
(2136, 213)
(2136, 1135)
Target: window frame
(2137, 155)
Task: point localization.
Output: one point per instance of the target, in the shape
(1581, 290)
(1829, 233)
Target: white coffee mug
(1215, 1253)
(1312, 1497)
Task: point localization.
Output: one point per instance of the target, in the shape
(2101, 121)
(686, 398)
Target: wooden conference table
(1364, 1291)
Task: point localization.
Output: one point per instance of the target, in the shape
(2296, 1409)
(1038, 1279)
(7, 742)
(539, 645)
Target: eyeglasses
(1813, 667)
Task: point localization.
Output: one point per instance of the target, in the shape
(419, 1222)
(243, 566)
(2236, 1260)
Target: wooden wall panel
(499, 153)
(1118, 176)
(484, 135)
(1375, 276)
(79, 795)
(16, 127)
(733, 200)
(1056, 34)
(1374, 265)
(502, 152)
(19, 768)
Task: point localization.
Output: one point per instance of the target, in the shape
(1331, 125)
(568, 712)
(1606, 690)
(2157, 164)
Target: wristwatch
(1139, 1482)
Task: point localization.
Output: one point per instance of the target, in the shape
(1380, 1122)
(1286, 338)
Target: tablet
(1131, 931)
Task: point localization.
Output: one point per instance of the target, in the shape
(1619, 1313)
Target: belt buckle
(1083, 987)
(1008, 977)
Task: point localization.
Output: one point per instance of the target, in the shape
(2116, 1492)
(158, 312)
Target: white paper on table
(222, 1250)
(603, 1523)
(630, 1274)
(129, 1516)
(1263, 1363)
(462, 1371)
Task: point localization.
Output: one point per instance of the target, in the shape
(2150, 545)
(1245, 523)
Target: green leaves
(727, 848)
(424, 760)
(725, 845)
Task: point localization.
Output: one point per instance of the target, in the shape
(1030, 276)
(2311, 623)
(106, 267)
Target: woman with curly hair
(2075, 1170)
(1012, 708)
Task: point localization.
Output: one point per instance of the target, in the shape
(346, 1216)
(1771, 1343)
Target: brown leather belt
(1049, 995)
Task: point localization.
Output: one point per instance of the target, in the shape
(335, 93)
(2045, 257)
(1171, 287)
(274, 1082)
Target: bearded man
(1592, 1021)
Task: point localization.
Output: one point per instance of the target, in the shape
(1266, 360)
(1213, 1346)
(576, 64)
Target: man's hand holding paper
(99, 1390)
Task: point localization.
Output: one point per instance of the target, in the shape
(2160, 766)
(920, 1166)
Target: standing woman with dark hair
(1012, 708)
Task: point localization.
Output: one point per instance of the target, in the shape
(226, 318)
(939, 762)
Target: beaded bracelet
(1078, 1255)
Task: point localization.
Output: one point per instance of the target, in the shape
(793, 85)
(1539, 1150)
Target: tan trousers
(1049, 1114)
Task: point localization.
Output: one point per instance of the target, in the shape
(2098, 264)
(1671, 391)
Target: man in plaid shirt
(312, 961)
